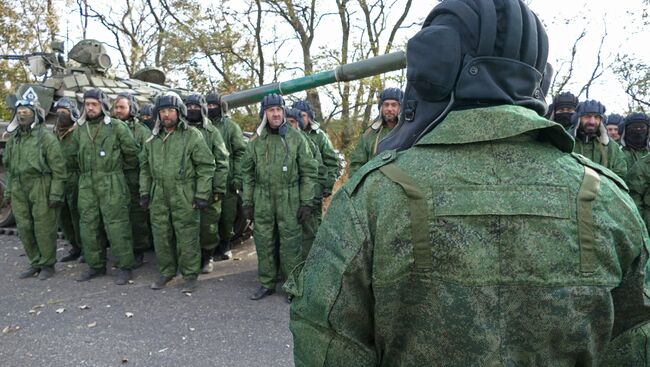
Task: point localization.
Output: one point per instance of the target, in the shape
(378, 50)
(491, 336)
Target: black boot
(46, 272)
(123, 276)
(73, 254)
(261, 293)
(207, 265)
(91, 273)
(224, 252)
(160, 282)
(30, 272)
(139, 259)
(189, 285)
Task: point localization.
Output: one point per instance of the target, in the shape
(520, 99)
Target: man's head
(294, 118)
(95, 104)
(146, 115)
(614, 126)
(214, 105)
(306, 112)
(197, 109)
(169, 110)
(125, 107)
(66, 112)
(564, 106)
(390, 100)
(465, 56)
(26, 114)
(590, 115)
(273, 110)
(635, 130)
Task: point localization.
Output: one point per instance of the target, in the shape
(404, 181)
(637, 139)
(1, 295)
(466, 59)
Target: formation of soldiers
(472, 230)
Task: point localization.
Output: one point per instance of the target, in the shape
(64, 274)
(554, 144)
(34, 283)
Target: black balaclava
(635, 130)
(215, 112)
(564, 100)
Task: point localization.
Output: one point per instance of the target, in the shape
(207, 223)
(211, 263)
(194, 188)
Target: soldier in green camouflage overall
(487, 243)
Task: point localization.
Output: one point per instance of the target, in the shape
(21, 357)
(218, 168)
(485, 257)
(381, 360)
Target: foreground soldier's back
(503, 248)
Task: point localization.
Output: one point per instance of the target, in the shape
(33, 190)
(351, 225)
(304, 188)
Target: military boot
(207, 264)
(189, 285)
(30, 272)
(261, 293)
(91, 273)
(46, 272)
(74, 254)
(139, 259)
(123, 276)
(160, 282)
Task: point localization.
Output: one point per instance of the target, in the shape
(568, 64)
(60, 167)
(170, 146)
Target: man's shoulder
(601, 170)
(380, 160)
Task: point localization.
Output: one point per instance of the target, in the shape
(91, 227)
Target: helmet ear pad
(434, 59)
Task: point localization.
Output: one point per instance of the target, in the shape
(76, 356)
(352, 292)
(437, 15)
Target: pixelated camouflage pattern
(504, 286)
(328, 155)
(366, 147)
(138, 215)
(638, 180)
(633, 155)
(616, 159)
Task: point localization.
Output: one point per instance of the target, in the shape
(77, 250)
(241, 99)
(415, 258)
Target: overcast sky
(564, 20)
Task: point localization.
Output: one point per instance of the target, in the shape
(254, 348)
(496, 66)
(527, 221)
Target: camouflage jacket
(608, 154)
(633, 155)
(476, 247)
(366, 147)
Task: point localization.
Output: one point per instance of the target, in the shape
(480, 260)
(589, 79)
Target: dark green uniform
(604, 151)
(36, 176)
(632, 155)
(68, 218)
(310, 226)
(638, 180)
(485, 244)
(105, 148)
(209, 237)
(138, 215)
(177, 167)
(278, 178)
(236, 146)
(367, 147)
(331, 162)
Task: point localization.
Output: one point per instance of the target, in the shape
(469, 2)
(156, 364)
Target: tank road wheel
(6, 216)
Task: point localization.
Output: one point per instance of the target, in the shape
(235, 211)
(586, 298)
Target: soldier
(330, 159)
(614, 126)
(563, 107)
(635, 139)
(68, 218)
(197, 116)
(146, 111)
(310, 226)
(278, 179)
(475, 237)
(36, 175)
(592, 140)
(236, 146)
(125, 108)
(389, 105)
(105, 148)
(176, 179)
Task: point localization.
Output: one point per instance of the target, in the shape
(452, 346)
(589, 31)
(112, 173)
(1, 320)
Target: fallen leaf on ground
(60, 310)
(129, 314)
(92, 324)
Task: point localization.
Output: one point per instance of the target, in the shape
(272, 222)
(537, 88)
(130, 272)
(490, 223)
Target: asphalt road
(59, 322)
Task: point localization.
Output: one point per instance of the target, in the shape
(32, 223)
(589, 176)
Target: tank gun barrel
(343, 73)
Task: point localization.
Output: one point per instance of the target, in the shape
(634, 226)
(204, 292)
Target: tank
(88, 66)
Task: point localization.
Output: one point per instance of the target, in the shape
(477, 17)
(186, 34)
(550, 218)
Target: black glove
(247, 212)
(199, 203)
(144, 201)
(326, 193)
(304, 212)
(54, 204)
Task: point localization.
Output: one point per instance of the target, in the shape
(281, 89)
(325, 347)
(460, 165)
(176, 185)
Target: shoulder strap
(586, 195)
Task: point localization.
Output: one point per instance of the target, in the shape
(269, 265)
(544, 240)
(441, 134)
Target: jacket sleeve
(638, 181)
(220, 153)
(359, 156)
(618, 162)
(308, 171)
(6, 162)
(56, 162)
(203, 162)
(238, 146)
(145, 169)
(332, 310)
(248, 174)
(330, 160)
